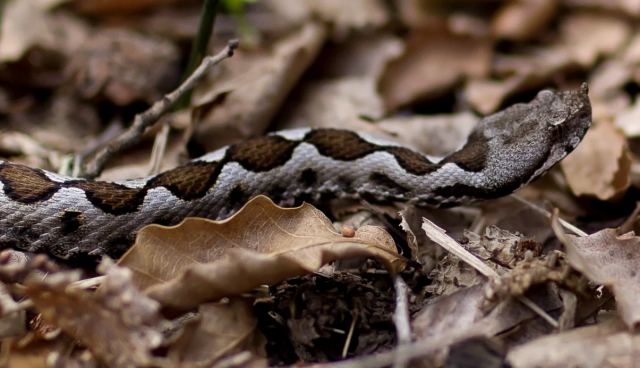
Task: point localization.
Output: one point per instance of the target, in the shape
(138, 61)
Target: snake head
(566, 117)
(518, 144)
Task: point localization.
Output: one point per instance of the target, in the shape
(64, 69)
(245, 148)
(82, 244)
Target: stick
(401, 318)
(149, 117)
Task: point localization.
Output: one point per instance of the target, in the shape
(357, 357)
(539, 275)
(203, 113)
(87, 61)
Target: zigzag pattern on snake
(73, 218)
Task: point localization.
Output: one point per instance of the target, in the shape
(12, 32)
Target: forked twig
(149, 117)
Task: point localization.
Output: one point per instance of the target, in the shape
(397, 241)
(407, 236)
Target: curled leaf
(203, 260)
(609, 259)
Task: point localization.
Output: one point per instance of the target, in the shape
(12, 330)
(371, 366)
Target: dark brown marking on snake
(411, 161)
(238, 196)
(389, 184)
(262, 154)
(112, 198)
(308, 177)
(344, 145)
(346, 184)
(70, 221)
(26, 185)
(187, 182)
(340, 145)
(473, 155)
(117, 245)
(276, 192)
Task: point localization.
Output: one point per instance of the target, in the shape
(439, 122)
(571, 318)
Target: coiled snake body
(69, 217)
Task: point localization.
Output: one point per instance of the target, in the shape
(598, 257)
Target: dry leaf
(446, 133)
(607, 81)
(344, 86)
(419, 72)
(606, 344)
(522, 20)
(335, 103)
(261, 244)
(590, 35)
(344, 15)
(115, 63)
(452, 318)
(628, 119)
(220, 330)
(610, 259)
(521, 71)
(118, 323)
(601, 164)
(630, 7)
(241, 101)
(27, 24)
(103, 7)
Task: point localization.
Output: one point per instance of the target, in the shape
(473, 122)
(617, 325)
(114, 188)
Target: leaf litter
(274, 286)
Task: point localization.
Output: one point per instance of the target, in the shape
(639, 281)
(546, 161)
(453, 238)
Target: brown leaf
(452, 318)
(344, 86)
(629, 7)
(118, 323)
(243, 97)
(345, 16)
(221, 329)
(605, 344)
(610, 259)
(627, 120)
(446, 132)
(28, 24)
(522, 20)
(419, 72)
(103, 7)
(335, 103)
(524, 71)
(115, 63)
(261, 244)
(590, 35)
(601, 164)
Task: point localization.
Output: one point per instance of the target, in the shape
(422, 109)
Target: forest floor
(545, 277)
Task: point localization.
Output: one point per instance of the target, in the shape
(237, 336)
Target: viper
(71, 217)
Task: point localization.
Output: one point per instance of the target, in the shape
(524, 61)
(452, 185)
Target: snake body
(70, 218)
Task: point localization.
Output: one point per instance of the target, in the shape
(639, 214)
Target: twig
(401, 318)
(147, 118)
(347, 342)
(438, 235)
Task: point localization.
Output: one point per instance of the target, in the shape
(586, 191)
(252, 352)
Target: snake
(72, 218)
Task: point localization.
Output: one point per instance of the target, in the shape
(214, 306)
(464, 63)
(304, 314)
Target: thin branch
(401, 318)
(149, 117)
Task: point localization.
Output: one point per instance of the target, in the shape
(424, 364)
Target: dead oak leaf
(609, 259)
(220, 330)
(201, 260)
(242, 97)
(419, 72)
(590, 35)
(608, 345)
(601, 164)
(523, 20)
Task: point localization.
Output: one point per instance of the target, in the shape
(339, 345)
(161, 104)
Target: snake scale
(72, 218)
